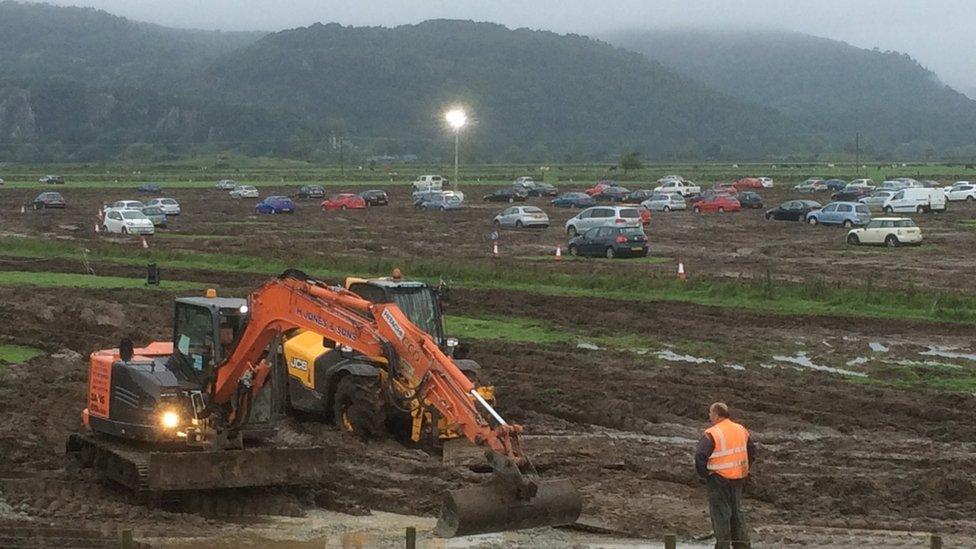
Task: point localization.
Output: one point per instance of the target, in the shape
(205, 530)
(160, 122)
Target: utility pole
(457, 138)
(857, 151)
(342, 163)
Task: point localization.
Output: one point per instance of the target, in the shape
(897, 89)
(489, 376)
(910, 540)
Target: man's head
(717, 412)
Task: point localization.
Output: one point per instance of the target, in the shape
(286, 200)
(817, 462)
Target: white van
(916, 200)
(426, 183)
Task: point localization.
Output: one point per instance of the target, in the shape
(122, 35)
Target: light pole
(456, 119)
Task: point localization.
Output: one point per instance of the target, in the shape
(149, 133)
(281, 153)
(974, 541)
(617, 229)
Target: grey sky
(936, 32)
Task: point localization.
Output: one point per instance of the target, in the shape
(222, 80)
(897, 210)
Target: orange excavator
(198, 412)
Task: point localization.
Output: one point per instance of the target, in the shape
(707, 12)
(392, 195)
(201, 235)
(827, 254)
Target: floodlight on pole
(456, 118)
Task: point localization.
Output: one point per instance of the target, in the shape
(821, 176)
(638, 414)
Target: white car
(961, 190)
(877, 199)
(522, 216)
(811, 185)
(126, 205)
(864, 183)
(245, 191)
(890, 231)
(603, 216)
(429, 183)
(168, 205)
(685, 188)
(767, 182)
(226, 185)
(916, 200)
(665, 202)
(127, 222)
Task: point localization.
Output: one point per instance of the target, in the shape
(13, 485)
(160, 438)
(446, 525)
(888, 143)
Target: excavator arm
(383, 330)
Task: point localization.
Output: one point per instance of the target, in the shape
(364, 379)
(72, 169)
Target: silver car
(168, 205)
(877, 199)
(603, 216)
(156, 215)
(665, 202)
(244, 191)
(522, 216)
(226, 185)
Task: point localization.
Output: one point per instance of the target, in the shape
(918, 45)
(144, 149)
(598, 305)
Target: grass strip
(72, 280)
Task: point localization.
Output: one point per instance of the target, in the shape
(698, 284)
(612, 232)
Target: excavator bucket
(495, 507)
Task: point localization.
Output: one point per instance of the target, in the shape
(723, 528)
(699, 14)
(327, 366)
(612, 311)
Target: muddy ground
(843, 461)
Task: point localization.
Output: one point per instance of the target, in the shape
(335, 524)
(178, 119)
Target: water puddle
(734, 366)
(669, 355)
(856, 361)
(924, 364)
(947, 352)
(803, 361)
(588, 346)
(877, 347)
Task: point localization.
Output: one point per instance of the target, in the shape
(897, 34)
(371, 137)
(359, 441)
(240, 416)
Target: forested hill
(831, 87)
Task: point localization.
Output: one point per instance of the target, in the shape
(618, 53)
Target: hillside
(536, 95)
(834, 88)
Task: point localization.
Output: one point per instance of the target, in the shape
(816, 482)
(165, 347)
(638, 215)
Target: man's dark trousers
(725, 507)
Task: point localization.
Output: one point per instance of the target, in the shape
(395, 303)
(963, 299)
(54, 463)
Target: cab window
(194, 336)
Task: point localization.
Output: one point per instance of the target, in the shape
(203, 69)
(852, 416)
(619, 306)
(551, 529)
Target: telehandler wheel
(359, 407)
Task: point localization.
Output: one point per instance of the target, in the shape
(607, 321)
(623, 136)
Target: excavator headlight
(169, 419)
(244, 309)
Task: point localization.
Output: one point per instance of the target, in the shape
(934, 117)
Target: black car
(149, 188)
(794, 210)
(542, 189)
(375, 197)
(835, 184)
(610, 242)
(506, 195)
(750, 199)
(639, 196)
(613, 194)
(49, 200)
(311, 191)
(851, 195)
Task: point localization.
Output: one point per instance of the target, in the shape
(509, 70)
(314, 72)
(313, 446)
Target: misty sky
(936, 32)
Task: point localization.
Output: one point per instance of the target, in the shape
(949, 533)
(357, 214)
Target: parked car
(226, 185)
(126, 205)
(894, 185)
(156, 215)
(2, 181)
(600, 186)
(612, 194)
(684, 188)
(149, 188)
(665, 202)
(811, 185)
(542, 189)
(890, 231)
(525, 184)
(851, 194)
(720, 203)
(127, 222)
(848, 214)
(245, 191)
(506, 195)
(610, 242)
(311, 191)
(573, 200)
(602, 216)
(917, 200)
(636, 197)
(52, 179)
(419, 197)
(793, 210)
(747, 183)
(169, 205)
(442, 202)
(835, 185)
(750, 200)
(668, 178)
(522, 216)
(962, 190)
(867, 183)
(767, 182)
(344, 201)
(375, 197)
(48, 200)
(876, 200)
(275, 205)
(429, 183)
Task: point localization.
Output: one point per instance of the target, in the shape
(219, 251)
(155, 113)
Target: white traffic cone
(494, 249)
(23, 209)
(559, 252)
(681, 271)
(97, 228)
(145, 243)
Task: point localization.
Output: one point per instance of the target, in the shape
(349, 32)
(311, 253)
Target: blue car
(275, 205)
(573, 200)
(150, 188)
(835, 185)
(848, 214)
(441, 203)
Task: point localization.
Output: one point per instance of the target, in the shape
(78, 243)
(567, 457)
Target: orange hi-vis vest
(730, 458)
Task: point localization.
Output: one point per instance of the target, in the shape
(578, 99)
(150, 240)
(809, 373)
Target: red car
(344, 201)
(599, 188)
(720, 203)
(748, 183)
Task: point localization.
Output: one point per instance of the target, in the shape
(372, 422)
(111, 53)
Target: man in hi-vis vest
(724, 455)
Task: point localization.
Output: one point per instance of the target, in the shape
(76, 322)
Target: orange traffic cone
(681, 271)
(145, 243)
(494, 249)
(559, 252)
